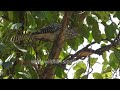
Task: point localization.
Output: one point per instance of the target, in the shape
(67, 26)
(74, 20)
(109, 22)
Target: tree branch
(78, 55)
(56, 49)
(59, 42)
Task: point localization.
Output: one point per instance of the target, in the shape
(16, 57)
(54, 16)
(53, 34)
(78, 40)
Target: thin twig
(70, 68)
(88, 66)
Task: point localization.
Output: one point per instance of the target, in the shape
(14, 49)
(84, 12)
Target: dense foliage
(28, 59)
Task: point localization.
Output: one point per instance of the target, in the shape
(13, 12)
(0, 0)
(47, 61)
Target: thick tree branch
(59, 42)
(56, 49)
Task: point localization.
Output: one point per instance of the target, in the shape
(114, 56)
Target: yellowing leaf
(79, 66)
(97, 76)
(78, 73)
(93, 61)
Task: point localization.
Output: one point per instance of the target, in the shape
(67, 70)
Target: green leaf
(107, 75)
(111, 12)
(6, 77)
(90, 20)
(113, 62)
(78, 73)
(60, 72)
(104, 67)
(2, 47)
(31, 21)
(32, 72)
(80, 39)
(84, 77)
(65, 46)
(10, 15)
(79, 66)
(103, 36)
(75, 45)
(25, 75)
(90, 37)
(18, 68)
(6, 24)
(28, 56)
(63, 55)
(77, 41)
(104, 55)
(1, 68)
(97, 75)
(39, 14)
(110, 31)
(108, 69)
(93, 61)
(46, 16)
(102, 45)
(84, 31)
(117, 14)
(51, 16)
(104, 15)
(1, 13)
(104, 58)
(96, 33)
(95, 13)
(117, 53)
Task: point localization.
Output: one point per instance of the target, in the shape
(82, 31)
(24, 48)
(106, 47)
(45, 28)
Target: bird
(85, 53)
(46, 33)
